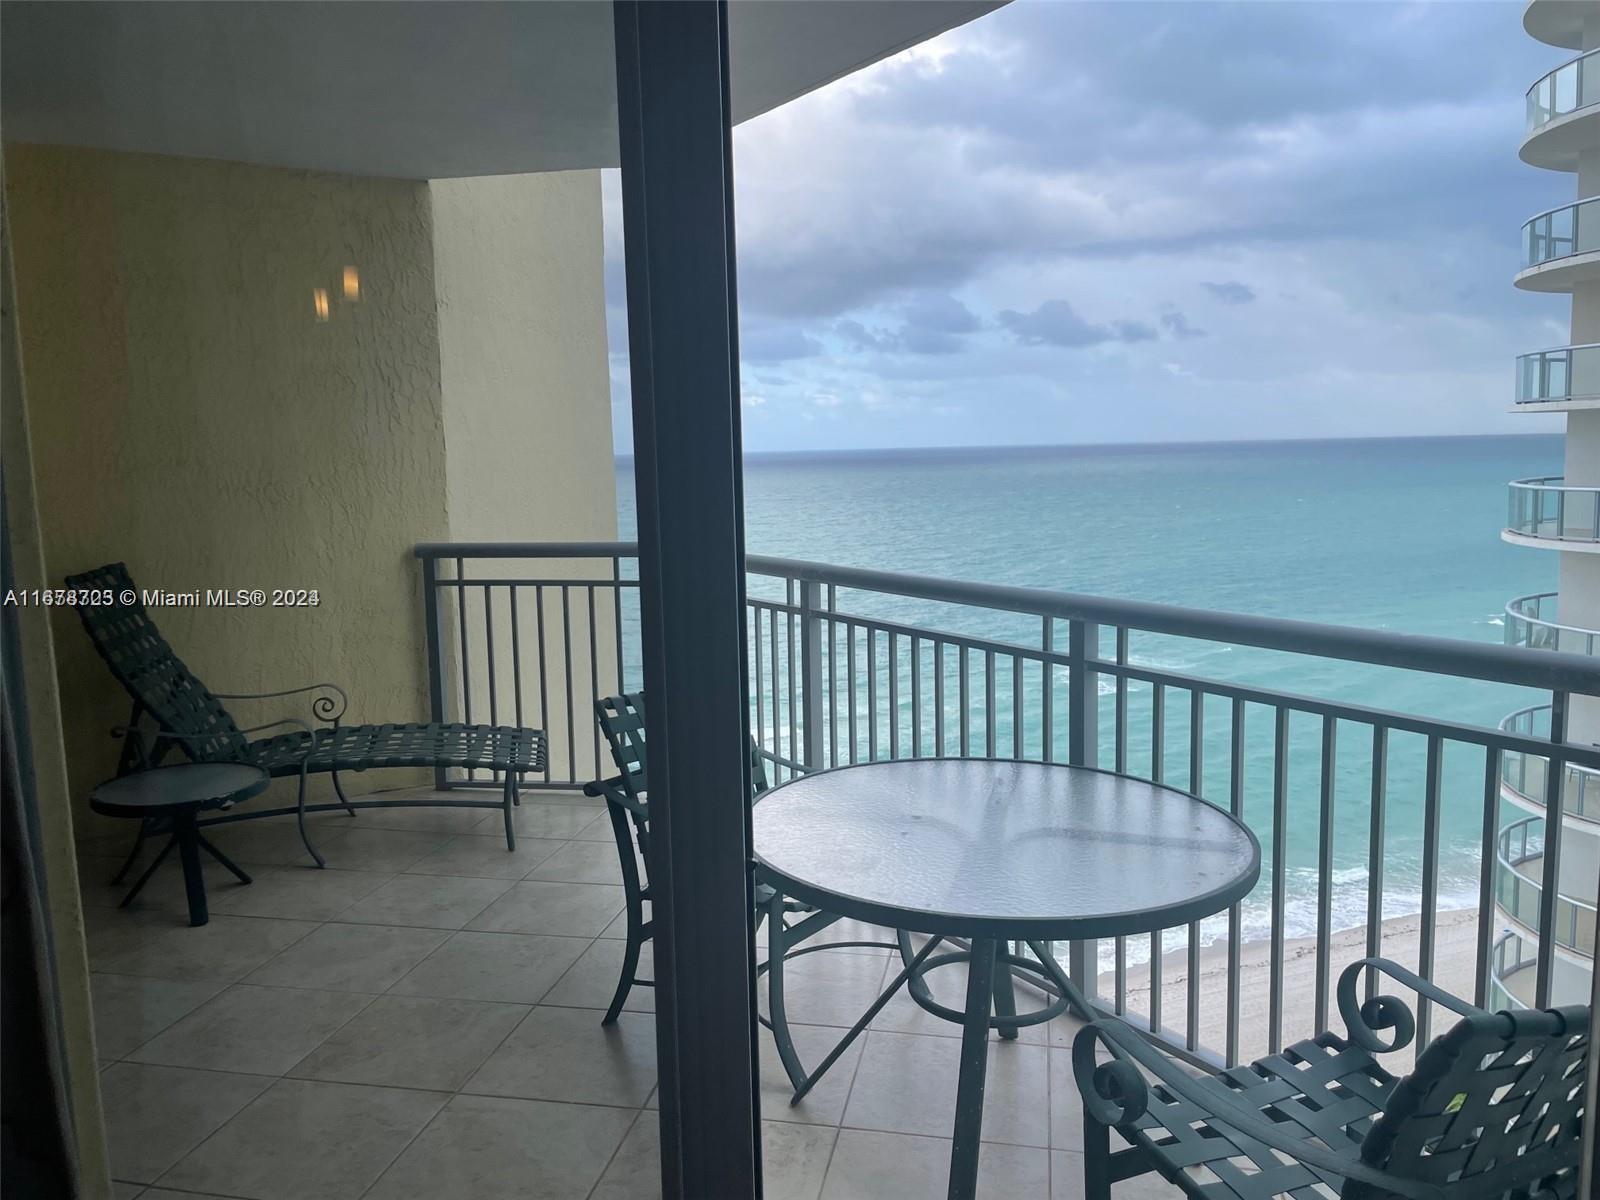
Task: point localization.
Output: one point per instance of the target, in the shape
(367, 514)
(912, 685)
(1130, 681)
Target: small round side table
(180, 793)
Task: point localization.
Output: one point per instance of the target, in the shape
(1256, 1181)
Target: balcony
(1563, 114)
(1559, 380)
(1525, 776)
(1545, 512)
(1519, 889)
(1561, 248)
(1555, 23)
(1530, 621)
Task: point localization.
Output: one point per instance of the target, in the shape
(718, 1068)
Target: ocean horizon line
(1024, 450)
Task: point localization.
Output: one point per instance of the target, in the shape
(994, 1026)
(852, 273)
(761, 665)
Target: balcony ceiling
(419, 91)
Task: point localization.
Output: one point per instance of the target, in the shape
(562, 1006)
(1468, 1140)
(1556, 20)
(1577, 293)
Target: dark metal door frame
(677, 190)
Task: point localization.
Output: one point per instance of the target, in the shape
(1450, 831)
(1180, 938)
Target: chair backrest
(622, 721)
(1493, 1108)
(146, 666)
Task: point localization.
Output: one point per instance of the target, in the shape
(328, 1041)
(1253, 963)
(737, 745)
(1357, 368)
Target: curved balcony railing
(1531, 622)
(1570, 87)
(1546, 508)
(1563, 374)
(1561, 233)
(1512, 964)
(1527, 775)
(1518, 890)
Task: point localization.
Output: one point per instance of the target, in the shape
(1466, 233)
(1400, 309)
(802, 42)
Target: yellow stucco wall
(527, 412)
(191, 416)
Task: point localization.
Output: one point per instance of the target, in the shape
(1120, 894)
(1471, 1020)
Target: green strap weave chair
(191, 718)
(1493, 1109)
(622, 720)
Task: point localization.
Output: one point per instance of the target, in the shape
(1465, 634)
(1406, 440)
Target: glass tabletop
(986, 847)
(178, 786)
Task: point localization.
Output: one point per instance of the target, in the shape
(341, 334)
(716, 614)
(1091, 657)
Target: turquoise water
(1384, 534)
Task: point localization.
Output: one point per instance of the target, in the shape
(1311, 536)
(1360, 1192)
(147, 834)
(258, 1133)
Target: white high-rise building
(1561, 515)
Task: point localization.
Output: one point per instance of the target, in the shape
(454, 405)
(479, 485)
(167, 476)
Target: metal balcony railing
(849, 665)
(1527, 775)
(1519, 889)
(1561, 233)
(1546, 508)
(1530, 621)
(1565, 373)
(1571, 86)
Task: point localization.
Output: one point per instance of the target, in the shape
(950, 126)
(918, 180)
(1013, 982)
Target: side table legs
(187, 838)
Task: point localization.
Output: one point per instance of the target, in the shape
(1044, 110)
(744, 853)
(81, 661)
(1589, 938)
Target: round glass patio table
(995, 852)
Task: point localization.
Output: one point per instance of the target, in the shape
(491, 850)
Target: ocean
(1392, 534)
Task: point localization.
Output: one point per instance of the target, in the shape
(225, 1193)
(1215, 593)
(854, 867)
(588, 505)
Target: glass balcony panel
(1584, 370)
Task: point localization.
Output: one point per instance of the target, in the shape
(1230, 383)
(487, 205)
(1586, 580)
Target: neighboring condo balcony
(1518, 891)
(1524, 776)
(1531, 621)
(1561, 379)
(1561, 248)
(1545, 510)
(1555, 23)
(1563, 114)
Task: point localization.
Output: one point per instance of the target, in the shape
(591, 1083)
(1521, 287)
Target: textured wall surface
(527, 413)
(191, 416)
(522, 347)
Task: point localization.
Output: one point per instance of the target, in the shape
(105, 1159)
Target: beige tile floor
(421, 1021)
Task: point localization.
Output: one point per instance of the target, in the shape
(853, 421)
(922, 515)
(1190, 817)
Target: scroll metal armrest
(1115, 1093)
(614, 791)
(1363, 1020)
(323, 708)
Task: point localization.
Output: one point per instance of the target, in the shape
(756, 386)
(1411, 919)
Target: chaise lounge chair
(1493, 1109)
(191, 718)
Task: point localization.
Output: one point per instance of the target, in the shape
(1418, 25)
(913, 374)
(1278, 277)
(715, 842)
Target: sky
(1137, 222)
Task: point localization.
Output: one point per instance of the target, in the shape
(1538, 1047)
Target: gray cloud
(1175, 323)
(1231, 291)
(1056, 323)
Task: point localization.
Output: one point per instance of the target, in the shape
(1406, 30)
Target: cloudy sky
(1126, 222)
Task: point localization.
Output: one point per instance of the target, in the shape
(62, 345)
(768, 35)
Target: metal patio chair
(1492, 1108)
(190, 717)
(621, 719)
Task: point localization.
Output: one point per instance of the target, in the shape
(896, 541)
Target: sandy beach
(1454, 950)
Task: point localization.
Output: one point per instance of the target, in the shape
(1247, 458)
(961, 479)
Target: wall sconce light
(352, 284)
(319, 303)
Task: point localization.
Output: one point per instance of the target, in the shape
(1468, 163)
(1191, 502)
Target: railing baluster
(872, 693)
(1158, 733)
(434, 631)
(1330, 735)
(1486, 919)
(894, 695)
(772, 651)
(1197, 740)
(850, 683)
(1554, 816)
(964, 697)
(1121, 732)
(466, 662)
(811, 671)
(1018, 749)
(516, 656)
(1047, 678)
(1157, 954)
(833, 687)
(1235, 912)
(990, 709)
(616, 629)
(938, 699)
(1375, 840)
(1280, 846)
(594, 681)
(916, 697)
(1083, 750)
(566, 677)
(488, 634)
(1192, 1000)
(544, 673)
(761, 702)
(1430, 879)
